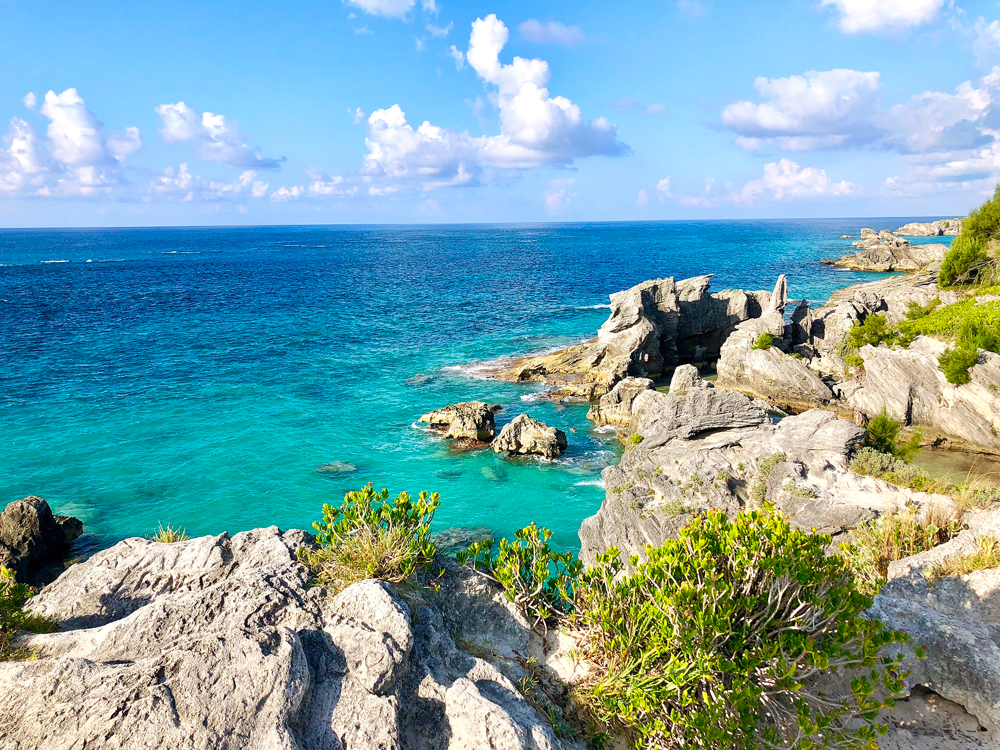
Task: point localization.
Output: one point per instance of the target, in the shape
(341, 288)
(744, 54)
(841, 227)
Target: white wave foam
(55, 261)
(532, 397)
(477, 370)
(606, 428)
(591, 483)
(179, 252)
(592, 307)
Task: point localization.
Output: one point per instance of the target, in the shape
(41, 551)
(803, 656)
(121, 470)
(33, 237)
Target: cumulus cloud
(857, 16)
(180, 185)
(663, 189)
(828, 109)
(786, 180)
(553, 32)
(458, 56)
(386, 8)
(213, 137)
(30, 100)
(643, 198)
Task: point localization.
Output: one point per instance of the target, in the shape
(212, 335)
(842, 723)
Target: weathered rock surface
(652, 327)
(956, 619)
(884, 251)
(771, 373)
(526, 436)
(471, 420)
(614, 408)
(942, 228)
(703, 448)
(218, 643)
(33, 541)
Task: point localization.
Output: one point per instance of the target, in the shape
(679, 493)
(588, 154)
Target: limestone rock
(469, 419)
(892, 255)
(526, 436)
(33, 542)
(219, 642)
(942, 228)
(652, 327)
(615, 407)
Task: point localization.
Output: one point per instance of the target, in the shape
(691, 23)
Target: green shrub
(890, 537)
(983, 223)
(758, 490)
(962, 261)
(536, 579)
(916, 311)
(370, 536)
(956, 363)
(882, 434)
(169, 535)
(874, 331)
(712, 642)
(634, 440)
(764, 341)
(13, 618)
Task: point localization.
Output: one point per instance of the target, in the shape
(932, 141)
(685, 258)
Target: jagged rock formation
(471, 420)
(956, 619)
(653, 326)
(526, 436)
(942, 228)
(614, 408)
(703, 447)
(219, 643)
(33, 541)
(771, 373)
(884, 251)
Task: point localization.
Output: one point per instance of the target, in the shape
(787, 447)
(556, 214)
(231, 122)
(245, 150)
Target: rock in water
(883, 251)
(33, 542)
(527, 436)
(336, 467)
(218, 643)
(615, 407)
(943, 228)
(470, 419)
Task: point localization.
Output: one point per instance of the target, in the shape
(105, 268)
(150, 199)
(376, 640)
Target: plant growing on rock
(987, 555)
(537, 580)
(956, 364)
(765, 341)
(874, 331)
(169, 535)
(882, 435)
(964, 261)
(13, 618)
(714, 641)
(370, 536)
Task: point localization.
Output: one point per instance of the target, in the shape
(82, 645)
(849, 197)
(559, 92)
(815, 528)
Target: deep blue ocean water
(200, 376)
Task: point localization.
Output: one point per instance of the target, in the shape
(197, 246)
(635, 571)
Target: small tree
(765, 341)
(882, 434)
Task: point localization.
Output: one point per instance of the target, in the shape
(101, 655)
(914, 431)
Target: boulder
(652, 327)
(614, 408)
(33, 541)
(219, 642)
(471, 420)
(526, 436)
(942, 228)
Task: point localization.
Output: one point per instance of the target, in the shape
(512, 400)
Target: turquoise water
(200, 376)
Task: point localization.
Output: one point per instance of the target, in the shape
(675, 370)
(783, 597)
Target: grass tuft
(13, 618)
(987, 555)
(169, 535)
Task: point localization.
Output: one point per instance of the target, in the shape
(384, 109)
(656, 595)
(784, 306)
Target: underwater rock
(459, 538)
(336, 467)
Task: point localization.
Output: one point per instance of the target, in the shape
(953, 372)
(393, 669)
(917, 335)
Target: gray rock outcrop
(614, 408)
(471, 420)
(525, 436)
(219, 643)
(884, 251)
(652, 327)
(941, 228)
(33, 541)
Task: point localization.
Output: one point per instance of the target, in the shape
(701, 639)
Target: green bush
(764, 341)
(13, 618)
(962, 261)
(916, 311)
(882, 434)
(536, 579)
(712, 643)
(874, 330)
(370, 536)
(956, 363)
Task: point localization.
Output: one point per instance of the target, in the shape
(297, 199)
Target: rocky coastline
(227, 642)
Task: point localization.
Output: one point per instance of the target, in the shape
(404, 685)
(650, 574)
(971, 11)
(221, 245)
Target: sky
(431, 111)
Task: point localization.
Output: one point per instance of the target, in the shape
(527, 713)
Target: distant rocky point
(884, 251)
(942, 228)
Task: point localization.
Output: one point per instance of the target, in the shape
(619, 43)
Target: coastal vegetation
(169, 535)
(882, 435)
(764, 341)
(986, 555)
(969, 261)
(13, 618)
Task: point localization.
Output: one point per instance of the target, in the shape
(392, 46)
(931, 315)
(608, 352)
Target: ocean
(199, 376)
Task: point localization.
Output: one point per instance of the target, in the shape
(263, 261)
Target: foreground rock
(218, 643)
(883, 251)
(614, 408)
(33, 541)
(703, 447)
(652, 327)
(525, 436)
(472, 420)
(942, 228)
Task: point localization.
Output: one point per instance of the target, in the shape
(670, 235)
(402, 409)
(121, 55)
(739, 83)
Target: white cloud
(858, 16)
(288, 194)
(663, 189)
(75, 133)
(986, 44)
(458, 56)
(555, 197)
(30, 100)
(420, 43)
(430, 6)
(387, 8)
(180, 185)
(786, 180)
(123, 144)
(357, 114)
(643, 198)
(439, 31)
(553, 31)
(213, 137)
(827, 109)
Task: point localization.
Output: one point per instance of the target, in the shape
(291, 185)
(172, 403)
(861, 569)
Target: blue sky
(409, 111)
